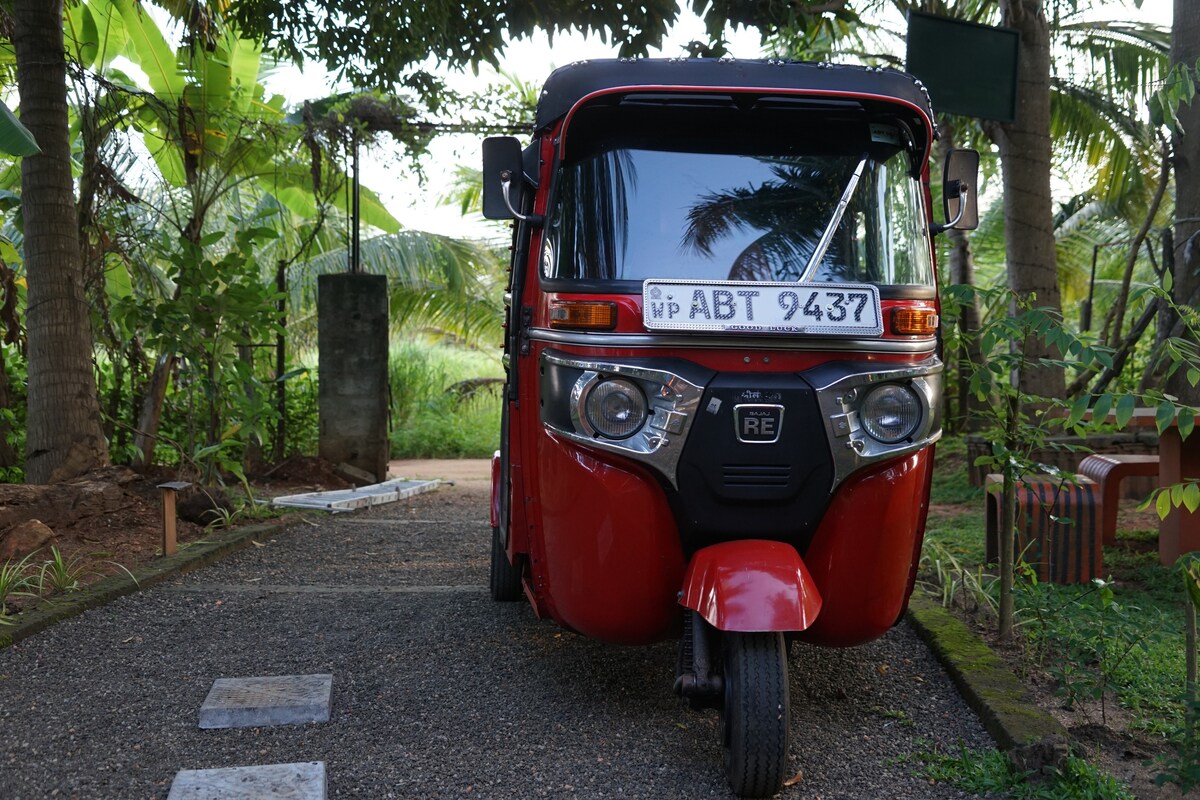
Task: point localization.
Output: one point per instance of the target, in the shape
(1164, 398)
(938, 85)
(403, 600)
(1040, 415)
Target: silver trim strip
(840, 391)
(667, 394)
(701, 341)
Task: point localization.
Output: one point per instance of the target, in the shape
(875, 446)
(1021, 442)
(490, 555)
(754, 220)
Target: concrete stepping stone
(303, 781)
(276, 700)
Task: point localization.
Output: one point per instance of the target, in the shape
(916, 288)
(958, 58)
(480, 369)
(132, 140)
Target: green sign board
(968, 69)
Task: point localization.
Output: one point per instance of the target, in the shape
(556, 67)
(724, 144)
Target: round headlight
(616, 408)
(890, 412)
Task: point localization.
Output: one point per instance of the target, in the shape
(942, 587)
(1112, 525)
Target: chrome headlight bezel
(585, 399)
(671, 401)
(841, 390)
(872, 412)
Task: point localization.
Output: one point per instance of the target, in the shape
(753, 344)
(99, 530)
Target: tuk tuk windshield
(631, 214)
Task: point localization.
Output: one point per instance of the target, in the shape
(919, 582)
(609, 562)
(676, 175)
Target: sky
(419, 205)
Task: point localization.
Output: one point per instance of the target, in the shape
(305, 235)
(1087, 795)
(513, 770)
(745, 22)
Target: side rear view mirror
(503, 179)
(960, 191)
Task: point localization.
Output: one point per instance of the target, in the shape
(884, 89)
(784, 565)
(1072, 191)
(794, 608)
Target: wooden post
(168, 514)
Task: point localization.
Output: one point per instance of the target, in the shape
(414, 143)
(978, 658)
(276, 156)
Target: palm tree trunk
(64, 437)
(962, 271)
(1025, 152)
(1185, 49)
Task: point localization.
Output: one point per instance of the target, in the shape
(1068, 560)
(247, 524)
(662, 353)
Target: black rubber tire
(755, 716)
(505, 578)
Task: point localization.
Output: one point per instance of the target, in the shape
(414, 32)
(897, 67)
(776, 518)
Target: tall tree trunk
(1185, 49)
(1025, 151)
(279, 444)
(962, 271)
(64, 438)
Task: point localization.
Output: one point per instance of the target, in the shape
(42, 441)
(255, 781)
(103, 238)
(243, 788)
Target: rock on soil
(24, 538)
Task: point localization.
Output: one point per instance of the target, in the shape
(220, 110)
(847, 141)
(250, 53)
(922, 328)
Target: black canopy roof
(568, 85)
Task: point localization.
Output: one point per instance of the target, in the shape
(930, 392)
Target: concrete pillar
(352, 336)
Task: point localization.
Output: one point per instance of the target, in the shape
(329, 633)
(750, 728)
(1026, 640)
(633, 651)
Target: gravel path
(437, 691)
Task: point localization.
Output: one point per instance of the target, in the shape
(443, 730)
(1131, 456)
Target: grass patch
(445, 401)
(988, 772)
(951, 474)
(959, 531)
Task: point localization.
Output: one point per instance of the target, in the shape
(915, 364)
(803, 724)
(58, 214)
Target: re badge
(758, 423)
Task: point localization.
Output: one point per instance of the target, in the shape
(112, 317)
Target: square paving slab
(305, 781)
(278, 700)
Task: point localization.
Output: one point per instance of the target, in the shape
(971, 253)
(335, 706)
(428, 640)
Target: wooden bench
(1108, 470)
(1058, 526)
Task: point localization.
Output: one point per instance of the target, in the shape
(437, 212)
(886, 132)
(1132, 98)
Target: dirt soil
(111, 519)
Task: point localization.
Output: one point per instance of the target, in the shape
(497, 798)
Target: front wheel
(505, 578)
(755, 716)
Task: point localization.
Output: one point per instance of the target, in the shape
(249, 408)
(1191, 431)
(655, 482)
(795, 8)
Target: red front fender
(751, 585)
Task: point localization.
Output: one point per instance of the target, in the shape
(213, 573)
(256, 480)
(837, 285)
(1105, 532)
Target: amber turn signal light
(914, 321)
(589, 315)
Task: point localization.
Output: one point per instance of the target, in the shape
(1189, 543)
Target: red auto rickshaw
(723, 366)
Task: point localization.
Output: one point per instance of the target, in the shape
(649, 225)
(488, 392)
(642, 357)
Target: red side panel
(862, 554)
(610, 563)
(751, 585)
(497, 487)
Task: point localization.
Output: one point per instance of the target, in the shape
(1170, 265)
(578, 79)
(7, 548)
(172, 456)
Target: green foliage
(12, 418)
(455, 33)
(16, 580)
(302, 414)
(15, 138)
(989, 772)
(433, 419)
(1085, 637)
(944, 574)
(1017, 423)
(952, 478)
(60, 574)
(220, 310)
(1183, 767)
(1178, 89)
(957, 531)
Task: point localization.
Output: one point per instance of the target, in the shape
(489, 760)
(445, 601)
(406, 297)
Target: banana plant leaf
(15, 138)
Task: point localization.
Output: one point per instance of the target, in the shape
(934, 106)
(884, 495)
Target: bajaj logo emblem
(758, 423)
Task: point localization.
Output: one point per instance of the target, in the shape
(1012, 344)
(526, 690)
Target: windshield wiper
(834, 221)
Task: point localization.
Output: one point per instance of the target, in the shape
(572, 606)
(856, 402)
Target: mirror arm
(935, 229)
(505, 185)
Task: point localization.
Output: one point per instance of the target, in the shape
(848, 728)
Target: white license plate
(819, 309)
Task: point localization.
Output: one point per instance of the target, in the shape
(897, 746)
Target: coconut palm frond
(1131, 56)
(476, 321)
(1101, 133)
(432, 279)
(465, 190)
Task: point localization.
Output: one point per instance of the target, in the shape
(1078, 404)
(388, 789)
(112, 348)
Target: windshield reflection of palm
(788, 213)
